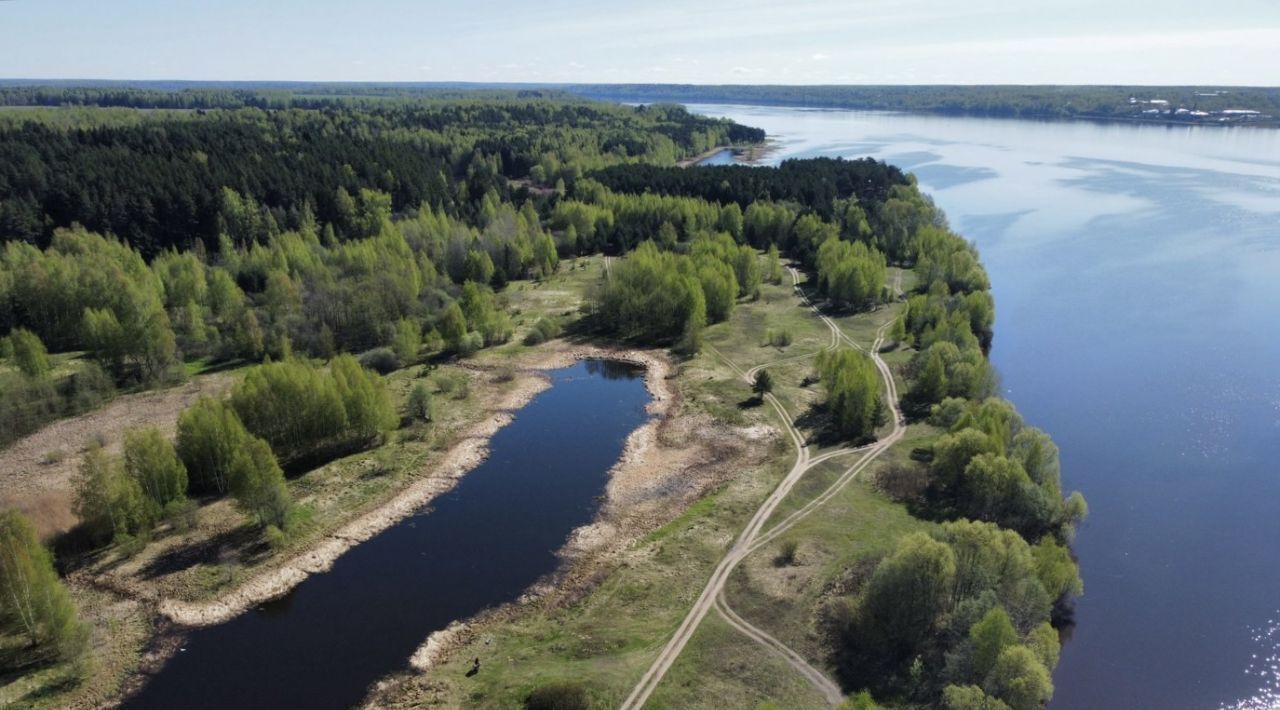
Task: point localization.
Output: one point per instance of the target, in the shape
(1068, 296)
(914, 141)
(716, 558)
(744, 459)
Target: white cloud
(819, 56)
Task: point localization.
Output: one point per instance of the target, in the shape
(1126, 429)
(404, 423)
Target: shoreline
(461, 459)
(748, 154)
(666, 464)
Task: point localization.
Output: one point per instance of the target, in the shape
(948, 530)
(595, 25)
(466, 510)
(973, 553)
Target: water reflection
(1266, 667)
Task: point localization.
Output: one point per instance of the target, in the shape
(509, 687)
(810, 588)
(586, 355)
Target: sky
(659, 41)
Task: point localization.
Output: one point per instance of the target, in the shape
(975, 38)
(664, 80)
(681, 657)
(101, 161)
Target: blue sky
(660, 41)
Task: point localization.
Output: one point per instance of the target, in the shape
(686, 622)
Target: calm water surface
(1136, 271)
(478, 546)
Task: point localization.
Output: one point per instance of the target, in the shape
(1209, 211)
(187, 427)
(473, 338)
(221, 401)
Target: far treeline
(996, 101)
(1109, 102)
(298, 268)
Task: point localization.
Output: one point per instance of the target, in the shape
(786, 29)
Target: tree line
(816, 183)
(999, 101)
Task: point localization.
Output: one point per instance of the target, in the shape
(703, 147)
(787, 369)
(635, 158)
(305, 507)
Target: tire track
(751, 539)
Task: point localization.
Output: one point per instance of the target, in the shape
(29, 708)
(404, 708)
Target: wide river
(477, 546)
(1136, 271)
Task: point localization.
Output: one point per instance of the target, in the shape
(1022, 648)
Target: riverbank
(278, 579)
(667, 517)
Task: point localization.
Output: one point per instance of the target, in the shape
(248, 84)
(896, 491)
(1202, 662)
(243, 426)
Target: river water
(1136, 271)
(478, 546)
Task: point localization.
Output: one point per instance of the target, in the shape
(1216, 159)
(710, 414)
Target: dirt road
(751, 538)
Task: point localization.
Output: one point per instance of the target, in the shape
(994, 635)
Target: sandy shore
(462, 458)
(666, 464)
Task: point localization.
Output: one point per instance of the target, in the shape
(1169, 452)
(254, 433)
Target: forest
(170, 178)
(325, 246)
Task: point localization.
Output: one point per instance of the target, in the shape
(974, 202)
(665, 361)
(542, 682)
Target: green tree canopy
(36, 605)
(852, 384)
(150, 460)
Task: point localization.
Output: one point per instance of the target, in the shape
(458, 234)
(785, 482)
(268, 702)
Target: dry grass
(36, 471)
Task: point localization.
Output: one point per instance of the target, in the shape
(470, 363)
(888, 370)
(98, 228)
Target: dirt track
(751, 539)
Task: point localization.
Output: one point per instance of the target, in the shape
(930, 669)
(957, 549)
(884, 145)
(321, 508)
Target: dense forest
(330, 244)
(169, 178)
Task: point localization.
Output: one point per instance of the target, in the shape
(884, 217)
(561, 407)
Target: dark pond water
(722, 157)
(478, 546)
(1136, 271)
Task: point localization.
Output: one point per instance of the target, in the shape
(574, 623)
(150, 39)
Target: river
(478, 546)
(1136, 271)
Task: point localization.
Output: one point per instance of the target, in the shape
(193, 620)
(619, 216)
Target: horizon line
(467, 82)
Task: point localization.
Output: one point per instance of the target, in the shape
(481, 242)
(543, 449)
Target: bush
(777, 338)
(903, 483)
(275, 537)
(558, 696)
(419, 406)
(545, 329)
(470, 344)
(786, 554)
(26, 405)
(381, 361)
(88, 389)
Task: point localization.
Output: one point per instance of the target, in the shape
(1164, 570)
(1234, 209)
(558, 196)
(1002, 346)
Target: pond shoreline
(460, 460)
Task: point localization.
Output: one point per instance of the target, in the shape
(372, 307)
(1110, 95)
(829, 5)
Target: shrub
(89, 388)
(275, 537)
(903, 483)
(381, 361)
(470, 344)
(777, 338)
(558, 696)
(420, 405)
(786, 554)
(545, 329)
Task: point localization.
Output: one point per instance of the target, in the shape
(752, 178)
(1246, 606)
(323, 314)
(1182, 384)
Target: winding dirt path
(751, 539)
